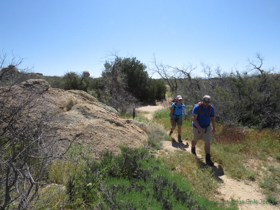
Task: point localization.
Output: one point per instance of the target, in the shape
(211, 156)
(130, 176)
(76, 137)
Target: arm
(212, 118)
(194, 119)
(171, 112)
(213, 124)
(184, 113)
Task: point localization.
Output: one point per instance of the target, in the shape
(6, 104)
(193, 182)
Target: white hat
(179, 97)
(207, 99)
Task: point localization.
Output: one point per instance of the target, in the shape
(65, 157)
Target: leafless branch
(26, 148)
(167, 73)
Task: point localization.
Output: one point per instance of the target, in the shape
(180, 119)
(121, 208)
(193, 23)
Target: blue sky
(58, 36)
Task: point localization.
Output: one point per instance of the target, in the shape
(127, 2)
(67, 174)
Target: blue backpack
(175, 107)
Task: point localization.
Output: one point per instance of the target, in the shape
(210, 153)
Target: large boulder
(74, 114)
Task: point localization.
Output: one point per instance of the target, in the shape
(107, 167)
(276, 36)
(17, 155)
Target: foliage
(231, 146)
(137, 79)
(115, 87)
(256, 99)
(249, 98)
(200, 176)
(270, 183)
(73, 81)
(131, 180)
(70, 104)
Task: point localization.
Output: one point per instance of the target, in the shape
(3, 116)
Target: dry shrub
(263, 134)
(230, 134)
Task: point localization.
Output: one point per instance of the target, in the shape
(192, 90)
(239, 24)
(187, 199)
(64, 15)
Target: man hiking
(202, 114)
(177, 111)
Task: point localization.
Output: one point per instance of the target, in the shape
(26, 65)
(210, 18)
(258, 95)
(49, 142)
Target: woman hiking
(177, 111)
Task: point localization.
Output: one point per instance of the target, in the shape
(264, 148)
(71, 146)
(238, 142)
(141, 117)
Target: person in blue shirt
(203, 113)
(177, 111)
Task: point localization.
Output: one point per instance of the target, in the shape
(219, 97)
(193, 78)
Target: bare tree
(169, 74)
(10, 73)
(26, 145)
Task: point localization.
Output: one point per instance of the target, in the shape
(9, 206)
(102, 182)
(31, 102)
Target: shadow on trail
(217, 172)
(179, 145)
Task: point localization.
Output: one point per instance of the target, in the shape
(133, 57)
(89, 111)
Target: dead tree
(168, 74)
(9, 72)
(26, 146)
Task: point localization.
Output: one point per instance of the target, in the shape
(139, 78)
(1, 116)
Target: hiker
(177, 111)
(202, 114)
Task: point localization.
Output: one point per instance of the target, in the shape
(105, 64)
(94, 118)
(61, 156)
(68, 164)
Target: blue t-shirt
(179, 110)
(203, 117)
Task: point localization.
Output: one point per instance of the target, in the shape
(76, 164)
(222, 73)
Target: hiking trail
(229, 188)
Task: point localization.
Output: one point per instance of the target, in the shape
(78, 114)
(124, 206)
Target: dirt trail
(230, 189)
(149, 110)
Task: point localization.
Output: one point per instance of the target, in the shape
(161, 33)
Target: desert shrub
(131, 180)
(230, 134)
(156, 134)
(70, 104)
(269, 183)
(73, 81)
(82, 186)
(248, 98)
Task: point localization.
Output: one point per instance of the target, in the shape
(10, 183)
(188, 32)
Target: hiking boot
(179, 139)
(193, 151)
(170, 133)
(208, 160)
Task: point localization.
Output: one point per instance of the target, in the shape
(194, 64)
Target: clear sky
(58, 36)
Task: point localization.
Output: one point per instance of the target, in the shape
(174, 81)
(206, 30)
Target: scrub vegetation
(243, 153)
(246, 143)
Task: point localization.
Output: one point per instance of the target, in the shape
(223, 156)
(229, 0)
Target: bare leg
(194, 143)
(179, 129)
(207, 147)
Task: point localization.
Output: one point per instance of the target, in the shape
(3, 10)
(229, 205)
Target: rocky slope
(74, 114)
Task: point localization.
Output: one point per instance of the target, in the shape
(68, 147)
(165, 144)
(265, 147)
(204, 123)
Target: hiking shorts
(177, 121)
(205, 136)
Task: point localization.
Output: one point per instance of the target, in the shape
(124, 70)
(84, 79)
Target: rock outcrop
(9, 72)
(76, 114)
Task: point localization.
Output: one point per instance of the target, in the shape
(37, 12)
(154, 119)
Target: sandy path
(230, 189)
(150, 110)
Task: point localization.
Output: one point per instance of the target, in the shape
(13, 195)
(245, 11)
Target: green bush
(138, 83)
(131, 180)
(73, 81)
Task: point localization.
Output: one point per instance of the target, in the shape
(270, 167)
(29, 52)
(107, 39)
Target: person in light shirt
(177, 111)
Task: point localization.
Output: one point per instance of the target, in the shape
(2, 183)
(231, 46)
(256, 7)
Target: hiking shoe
(179, 139)
(193, 151)
(170, 133)
(208, 160)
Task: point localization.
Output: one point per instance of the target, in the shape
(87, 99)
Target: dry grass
(200, 177)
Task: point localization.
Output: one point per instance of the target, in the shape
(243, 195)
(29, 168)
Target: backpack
(200, 108)
(175, 106)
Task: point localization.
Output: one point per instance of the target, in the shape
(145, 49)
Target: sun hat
(179, 97)
(207, 99)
